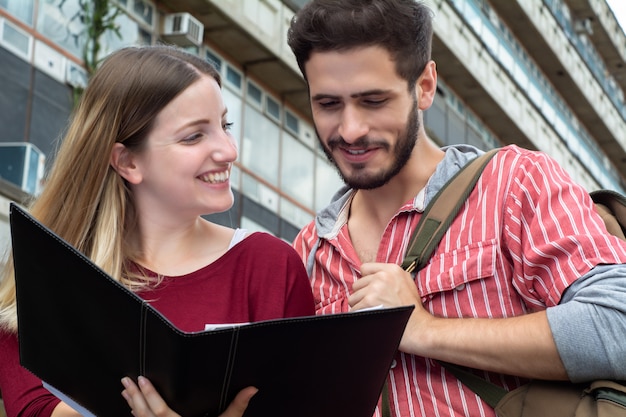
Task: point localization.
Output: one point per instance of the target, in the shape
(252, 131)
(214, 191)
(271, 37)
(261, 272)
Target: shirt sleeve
(552, 232)
(591, 346)
(22, 392)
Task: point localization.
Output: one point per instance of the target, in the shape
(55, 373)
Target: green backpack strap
(489, 392)
(440, 212)
(435, 220)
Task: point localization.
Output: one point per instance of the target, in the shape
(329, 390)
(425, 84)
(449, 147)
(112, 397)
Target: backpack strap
(441, 210)
(488, 391)
(435, 221)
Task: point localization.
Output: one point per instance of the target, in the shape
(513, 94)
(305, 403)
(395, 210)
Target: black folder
(80, 331)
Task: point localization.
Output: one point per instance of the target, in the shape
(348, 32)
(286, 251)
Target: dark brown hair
(402, 27)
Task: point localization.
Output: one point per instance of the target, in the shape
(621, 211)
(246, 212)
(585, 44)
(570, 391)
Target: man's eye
(327, 104)
(376, 102)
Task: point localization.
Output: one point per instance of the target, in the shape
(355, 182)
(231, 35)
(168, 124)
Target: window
(144, 11)
(297, 168)
(260, 146)
(60, 20)
(213, 59)
(22, 9)
(234, 105)
(291, 122)
(327, 182)
(15, 39)
(272, 108)
(255, 95)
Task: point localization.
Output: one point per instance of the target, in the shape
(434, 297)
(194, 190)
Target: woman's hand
(145, 401)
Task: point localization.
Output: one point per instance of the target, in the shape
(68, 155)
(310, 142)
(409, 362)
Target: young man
(526, 283)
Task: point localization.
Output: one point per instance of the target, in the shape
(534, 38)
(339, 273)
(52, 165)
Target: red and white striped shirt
(525, 233)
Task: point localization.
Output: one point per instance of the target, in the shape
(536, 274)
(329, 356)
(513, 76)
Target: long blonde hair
(84, 200)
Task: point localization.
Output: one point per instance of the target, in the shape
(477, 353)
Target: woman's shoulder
(264, 242)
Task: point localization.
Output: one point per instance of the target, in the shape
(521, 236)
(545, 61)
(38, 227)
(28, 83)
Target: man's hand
(386, 284)
(145, 401)
(391, 286)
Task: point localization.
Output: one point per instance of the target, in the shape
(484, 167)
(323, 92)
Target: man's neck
(372, 210)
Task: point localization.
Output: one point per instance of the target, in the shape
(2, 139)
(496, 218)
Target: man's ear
(122, 161)
(426, 86)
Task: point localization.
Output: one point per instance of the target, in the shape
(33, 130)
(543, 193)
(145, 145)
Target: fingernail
(142, 381)
(125, 381)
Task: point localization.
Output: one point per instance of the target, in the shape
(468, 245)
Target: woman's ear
(123, 162)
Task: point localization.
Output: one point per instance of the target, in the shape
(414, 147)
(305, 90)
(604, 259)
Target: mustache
(364, 142)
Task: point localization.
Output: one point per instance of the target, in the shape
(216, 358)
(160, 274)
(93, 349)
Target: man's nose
(353, 124)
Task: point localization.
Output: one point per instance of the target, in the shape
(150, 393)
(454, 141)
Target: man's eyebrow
(366, 93)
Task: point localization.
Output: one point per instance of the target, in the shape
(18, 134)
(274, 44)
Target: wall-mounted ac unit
(75, 75)
(182, 29)
(23, 164)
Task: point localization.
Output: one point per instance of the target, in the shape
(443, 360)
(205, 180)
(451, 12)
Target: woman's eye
(227, 125)
(193, 138)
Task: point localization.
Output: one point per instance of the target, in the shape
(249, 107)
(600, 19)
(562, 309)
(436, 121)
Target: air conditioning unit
(182, 29)
(75, 75)
(22, 164)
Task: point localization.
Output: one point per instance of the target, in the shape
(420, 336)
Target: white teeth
(353, 152)
(215, 178)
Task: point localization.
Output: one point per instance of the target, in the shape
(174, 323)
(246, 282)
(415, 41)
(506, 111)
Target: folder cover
(80, 331)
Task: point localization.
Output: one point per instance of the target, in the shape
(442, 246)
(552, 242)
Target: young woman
(148, 152)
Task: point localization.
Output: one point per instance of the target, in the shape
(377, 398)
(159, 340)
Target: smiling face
(365, 116)
(185, 164)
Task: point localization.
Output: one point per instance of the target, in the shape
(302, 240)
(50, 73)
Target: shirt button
(460, 287)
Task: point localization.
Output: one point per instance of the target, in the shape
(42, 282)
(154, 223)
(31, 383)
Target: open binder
(80, 331)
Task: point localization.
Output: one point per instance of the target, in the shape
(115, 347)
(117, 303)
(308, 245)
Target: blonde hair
(84, 200)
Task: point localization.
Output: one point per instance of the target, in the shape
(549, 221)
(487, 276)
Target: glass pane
(327, 183)
(233, 103)
(297, 170)
(233, 77)
(273, 108)
(294, 214)
(215, 60)
(16, 38)
(292, 122)
(130, 35)
(144, 11)
(61, 21)
(254, 93)
(252, 226)
(260, 146)
(22, 9)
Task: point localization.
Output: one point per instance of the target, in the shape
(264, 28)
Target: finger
(240, 403)
(134, 398)
(368, 268)
(155, 402)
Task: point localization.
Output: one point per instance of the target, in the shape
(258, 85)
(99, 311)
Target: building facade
(544, 74)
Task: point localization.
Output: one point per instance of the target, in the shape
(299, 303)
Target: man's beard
(359, 180)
